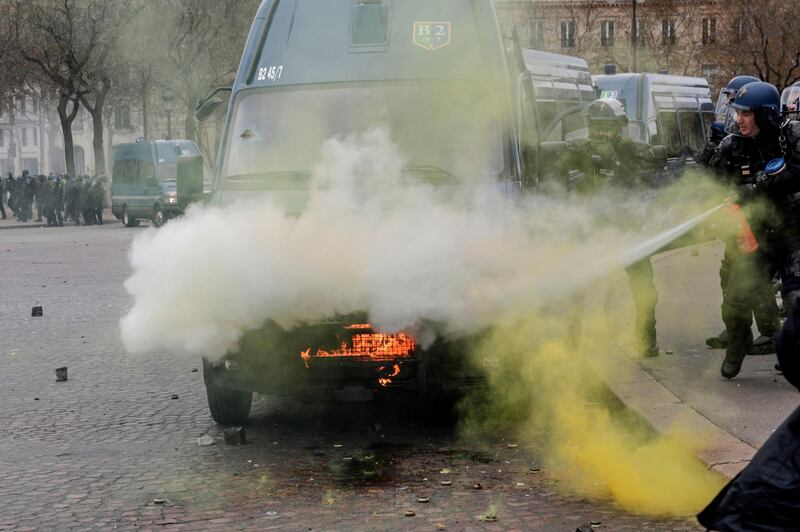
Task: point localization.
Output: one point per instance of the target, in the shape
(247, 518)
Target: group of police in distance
(753, 149)
(57, 198)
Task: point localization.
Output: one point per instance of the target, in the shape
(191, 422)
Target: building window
(668, 31)
(537, 34)
(2, 138)
(742, 28)
(122, 117)
(24, 133)
(568, 34)
(709, 30)
(607, 33)
(35, 133)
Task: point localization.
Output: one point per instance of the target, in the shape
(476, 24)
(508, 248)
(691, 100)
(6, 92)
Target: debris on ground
(235, 436)
(490, 515)
(205, 440)
(37, 312)
(159, 502)
(174, 396)
(585, 528)
(423, 500)
(61, 374)
(446, 482)
(194, 370)
(409, 513)
(477, 486)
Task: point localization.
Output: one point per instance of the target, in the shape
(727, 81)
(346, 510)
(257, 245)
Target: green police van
(459, 99)
(145, 181)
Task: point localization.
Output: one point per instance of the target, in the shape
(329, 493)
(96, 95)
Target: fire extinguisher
(745, 239)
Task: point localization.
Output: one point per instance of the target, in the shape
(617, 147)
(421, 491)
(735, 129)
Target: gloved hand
(744, 192)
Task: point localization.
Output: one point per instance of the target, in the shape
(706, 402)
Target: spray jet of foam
(374, 239)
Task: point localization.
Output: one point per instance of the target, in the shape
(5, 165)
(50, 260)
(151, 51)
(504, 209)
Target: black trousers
(765, 308)
(645, 298)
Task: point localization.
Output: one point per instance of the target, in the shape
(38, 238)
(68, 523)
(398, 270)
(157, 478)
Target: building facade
(676, 36)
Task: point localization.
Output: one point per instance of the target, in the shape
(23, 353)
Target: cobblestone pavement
(110, 448)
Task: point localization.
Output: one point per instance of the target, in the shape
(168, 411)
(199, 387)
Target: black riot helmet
(606, 115)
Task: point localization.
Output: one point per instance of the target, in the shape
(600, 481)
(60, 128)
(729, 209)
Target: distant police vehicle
(663, 110)
(145, 181)
(461, 101)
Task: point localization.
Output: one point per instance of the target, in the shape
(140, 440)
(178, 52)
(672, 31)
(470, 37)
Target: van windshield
(445, 126)
(167, 154)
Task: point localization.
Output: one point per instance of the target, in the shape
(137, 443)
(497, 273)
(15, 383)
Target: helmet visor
(723, 104)
(790, 101)
(731, 122)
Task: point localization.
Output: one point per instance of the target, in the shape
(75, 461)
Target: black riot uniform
(769, 203)
(608, 158)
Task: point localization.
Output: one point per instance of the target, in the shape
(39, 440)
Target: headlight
(172, 197)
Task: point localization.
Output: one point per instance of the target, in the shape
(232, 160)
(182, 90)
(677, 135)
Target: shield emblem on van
(432, 35)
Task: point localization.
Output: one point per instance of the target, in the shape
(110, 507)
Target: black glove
(744, 192)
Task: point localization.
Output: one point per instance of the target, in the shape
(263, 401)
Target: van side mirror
(207, 108)
(659, 152)
(189, 179)
(552, 149)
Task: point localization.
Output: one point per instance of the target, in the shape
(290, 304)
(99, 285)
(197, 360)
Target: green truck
(460, 99)
(146, 183)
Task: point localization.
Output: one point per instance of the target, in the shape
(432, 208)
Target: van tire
(127, 220)
(227, 407)
(159, 218)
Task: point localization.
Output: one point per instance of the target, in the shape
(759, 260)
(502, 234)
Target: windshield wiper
(430, 172)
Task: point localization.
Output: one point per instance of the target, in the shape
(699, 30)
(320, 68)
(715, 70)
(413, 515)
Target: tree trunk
(97, 142)
(145, 133)
(66, 118)
(96, 111)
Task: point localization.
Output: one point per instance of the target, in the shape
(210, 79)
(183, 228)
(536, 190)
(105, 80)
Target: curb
(655, 403)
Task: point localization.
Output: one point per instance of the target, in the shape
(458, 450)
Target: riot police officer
(761, 158)
(722, 116)
(765, 310)
(609, 158)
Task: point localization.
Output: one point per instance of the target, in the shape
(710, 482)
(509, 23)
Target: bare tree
(761, 38)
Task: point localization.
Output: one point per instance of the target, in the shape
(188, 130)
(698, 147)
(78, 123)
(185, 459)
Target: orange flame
(387, 379)
(374, 346)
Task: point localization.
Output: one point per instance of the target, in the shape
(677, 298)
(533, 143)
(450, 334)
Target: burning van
(458, 100)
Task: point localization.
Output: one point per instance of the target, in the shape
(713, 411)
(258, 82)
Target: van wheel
(158, 217)
(127, 220)
(228, 407)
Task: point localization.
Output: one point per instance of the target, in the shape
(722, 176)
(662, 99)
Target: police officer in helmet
(766, 308)
(722, 116)
(759, 158)
(610, 158)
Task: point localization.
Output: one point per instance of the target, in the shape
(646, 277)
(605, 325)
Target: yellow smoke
(543, 386)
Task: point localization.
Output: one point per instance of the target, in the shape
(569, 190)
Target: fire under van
(458, 98)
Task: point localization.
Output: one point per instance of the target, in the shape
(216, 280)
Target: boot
(732, 364)
(719, 341)
(763, 345)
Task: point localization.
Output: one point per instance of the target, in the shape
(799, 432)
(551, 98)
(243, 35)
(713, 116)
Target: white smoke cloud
(377, 240)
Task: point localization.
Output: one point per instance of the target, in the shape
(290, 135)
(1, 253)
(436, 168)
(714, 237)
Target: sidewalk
(11, 223)
(685, 388)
